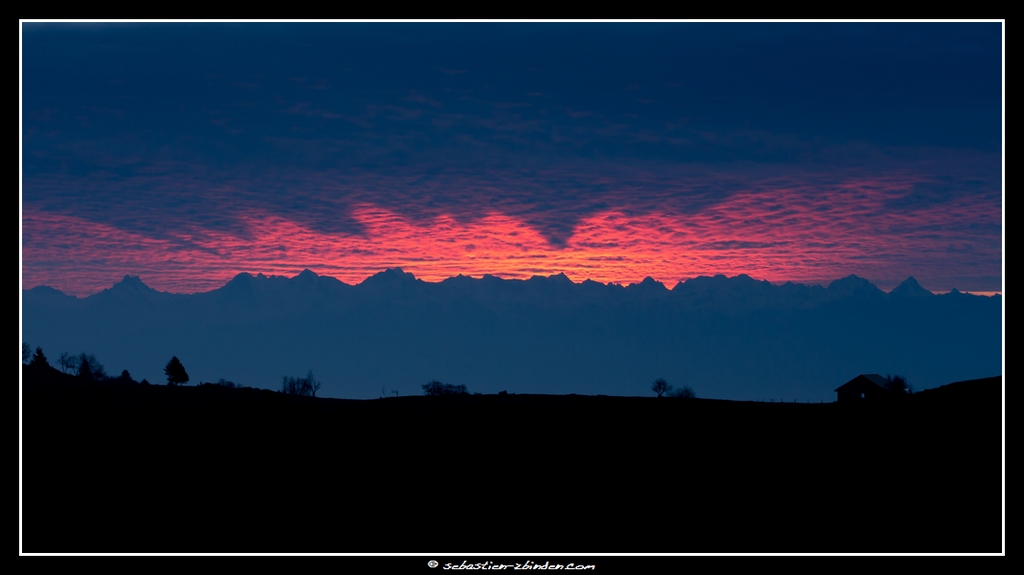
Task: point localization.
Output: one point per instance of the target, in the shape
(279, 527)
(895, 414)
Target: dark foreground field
(131, 468)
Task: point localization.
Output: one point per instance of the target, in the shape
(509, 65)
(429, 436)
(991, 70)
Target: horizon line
(776, 283)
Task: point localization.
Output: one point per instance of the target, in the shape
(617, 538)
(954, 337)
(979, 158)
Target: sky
(186, 153)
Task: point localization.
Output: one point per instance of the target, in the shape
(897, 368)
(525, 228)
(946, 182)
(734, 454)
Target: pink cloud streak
(782, 234)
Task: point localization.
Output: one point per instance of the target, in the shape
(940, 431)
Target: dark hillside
(122, 467)
(973, 393)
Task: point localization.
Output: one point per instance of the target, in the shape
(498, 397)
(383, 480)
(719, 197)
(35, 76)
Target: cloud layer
(773, 231)
(186, 153)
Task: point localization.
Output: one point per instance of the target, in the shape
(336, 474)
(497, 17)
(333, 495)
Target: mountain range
(729, 338)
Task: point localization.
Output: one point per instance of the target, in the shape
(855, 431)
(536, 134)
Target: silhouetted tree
(68, 362)
(685, 392)
(125, 377)
(84, 367)
(175, 372)
(89, 367)
(661, 387)
(897, 385)
(26, 352)
(39, 359)
(437, 388)
(293, 386)
(300, 385)
(314, 384)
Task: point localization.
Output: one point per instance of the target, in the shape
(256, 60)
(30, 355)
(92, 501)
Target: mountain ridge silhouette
(730, 338)
(849, 285)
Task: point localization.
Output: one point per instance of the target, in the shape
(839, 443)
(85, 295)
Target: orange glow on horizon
(787, 237)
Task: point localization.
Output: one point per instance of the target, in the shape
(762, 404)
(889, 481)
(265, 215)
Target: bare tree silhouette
(300, 385)
(437, 388)
(661, 387)
(685, 392)
(68, 362)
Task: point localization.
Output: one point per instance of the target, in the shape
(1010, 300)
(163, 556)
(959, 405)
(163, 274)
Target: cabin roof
(865, 379)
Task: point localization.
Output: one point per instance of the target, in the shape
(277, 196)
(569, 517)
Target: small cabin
(864, 387)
